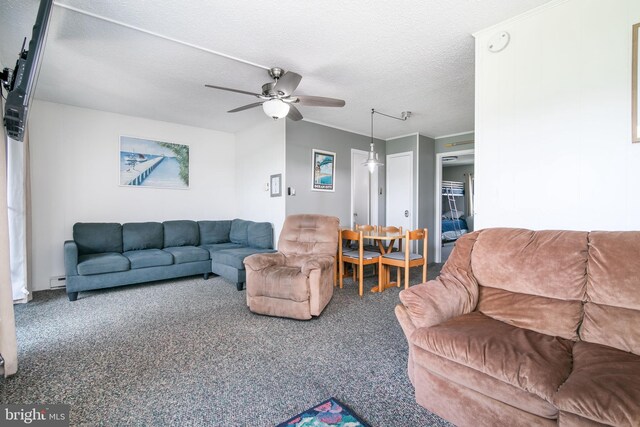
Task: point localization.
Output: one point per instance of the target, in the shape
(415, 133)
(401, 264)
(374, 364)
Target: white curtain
(17, 202)
(8, 346)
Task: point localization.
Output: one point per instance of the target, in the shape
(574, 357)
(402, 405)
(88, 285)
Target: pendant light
(373, 161)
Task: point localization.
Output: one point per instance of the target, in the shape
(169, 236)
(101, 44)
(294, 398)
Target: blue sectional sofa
(104, 255)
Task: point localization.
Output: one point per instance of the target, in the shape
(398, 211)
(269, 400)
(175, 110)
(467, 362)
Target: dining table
(385, 240)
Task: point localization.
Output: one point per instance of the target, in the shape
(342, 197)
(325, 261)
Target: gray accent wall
(442, 142)
(426, 190)
(301, 138)
(456, 173)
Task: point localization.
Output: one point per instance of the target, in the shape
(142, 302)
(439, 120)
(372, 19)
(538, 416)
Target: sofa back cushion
(142, 235)
(180, 233)
(532, 279)
(612, 308)
(260, 235)
(309, 235)
(95, 238)
(212, 232)
(239, 232)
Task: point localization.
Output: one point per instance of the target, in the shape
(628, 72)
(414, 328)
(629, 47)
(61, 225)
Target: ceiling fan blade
(319, 101)
(234, 90)
(287, 83)
(245, 107)
(294, 113)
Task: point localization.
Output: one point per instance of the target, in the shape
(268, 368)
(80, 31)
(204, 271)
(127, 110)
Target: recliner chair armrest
(258, 262)
(451, 294)
(70, 258)
(317, 263)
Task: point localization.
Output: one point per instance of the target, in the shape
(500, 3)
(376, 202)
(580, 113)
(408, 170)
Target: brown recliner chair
(297, 281)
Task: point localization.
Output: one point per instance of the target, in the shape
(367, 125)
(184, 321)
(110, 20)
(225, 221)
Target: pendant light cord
(403, 116)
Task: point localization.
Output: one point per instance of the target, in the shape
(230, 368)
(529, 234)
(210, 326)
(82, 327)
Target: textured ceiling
(393, 56)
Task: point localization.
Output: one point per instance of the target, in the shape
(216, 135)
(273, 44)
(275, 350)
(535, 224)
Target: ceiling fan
(278, 99)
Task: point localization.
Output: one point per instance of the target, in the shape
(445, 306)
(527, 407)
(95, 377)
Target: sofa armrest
(257, 262)
(70, 258)
(451, 294)
(317, 263)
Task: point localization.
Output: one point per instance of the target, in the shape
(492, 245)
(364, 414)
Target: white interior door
(359, 188)
(400, 190)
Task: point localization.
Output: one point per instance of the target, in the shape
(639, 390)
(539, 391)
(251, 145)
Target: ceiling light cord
(152, 33)
(372, 161)
(403, 116)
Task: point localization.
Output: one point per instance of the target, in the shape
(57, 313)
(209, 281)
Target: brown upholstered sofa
(297, 281)
(529, 328)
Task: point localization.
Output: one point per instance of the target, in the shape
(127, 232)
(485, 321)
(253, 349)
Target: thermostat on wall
(499, 41)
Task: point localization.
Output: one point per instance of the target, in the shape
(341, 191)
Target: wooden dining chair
(368, 244)
(406, 258)
(358, 257)
(392, 229)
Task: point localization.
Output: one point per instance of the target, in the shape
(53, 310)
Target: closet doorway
(454, 199)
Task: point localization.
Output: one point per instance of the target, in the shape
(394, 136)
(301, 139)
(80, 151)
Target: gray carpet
(188, 352)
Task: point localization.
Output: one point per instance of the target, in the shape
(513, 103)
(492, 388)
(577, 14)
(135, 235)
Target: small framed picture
(276, 185)
(323, 172)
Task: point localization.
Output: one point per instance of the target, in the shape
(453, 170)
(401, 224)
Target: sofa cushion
(180, 233)
(561, 318)
(613, 291)
(604, 385)
(528, 360)
(142, 235)
(611, 326)
(485, 384)
(551, 264)
(214, 247)
(183, 254)
(235, 257)
(96, 238)
(109, 262)
(260, 235)
(239, 232)
(214, 231)
(148, 258)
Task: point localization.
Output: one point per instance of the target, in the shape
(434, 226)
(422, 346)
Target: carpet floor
(189, 352)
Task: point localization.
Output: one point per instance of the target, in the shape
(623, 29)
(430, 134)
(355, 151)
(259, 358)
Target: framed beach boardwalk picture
(156, 164)
(324, 170)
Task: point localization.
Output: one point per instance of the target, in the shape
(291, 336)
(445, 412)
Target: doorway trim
(438, 202)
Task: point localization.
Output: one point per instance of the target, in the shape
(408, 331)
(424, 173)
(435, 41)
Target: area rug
(329, 413)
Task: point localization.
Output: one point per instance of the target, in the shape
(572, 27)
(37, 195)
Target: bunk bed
(453, 222)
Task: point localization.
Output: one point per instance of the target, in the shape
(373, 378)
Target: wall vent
(57, 282)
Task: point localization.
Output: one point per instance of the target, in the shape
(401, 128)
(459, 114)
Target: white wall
(75, 170)
(260, 154)
(553, 120)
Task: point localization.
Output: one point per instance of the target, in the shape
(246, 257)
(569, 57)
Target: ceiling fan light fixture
(275, 108)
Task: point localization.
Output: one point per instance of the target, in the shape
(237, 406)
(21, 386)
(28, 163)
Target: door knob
(406, 214)
(355, 214)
